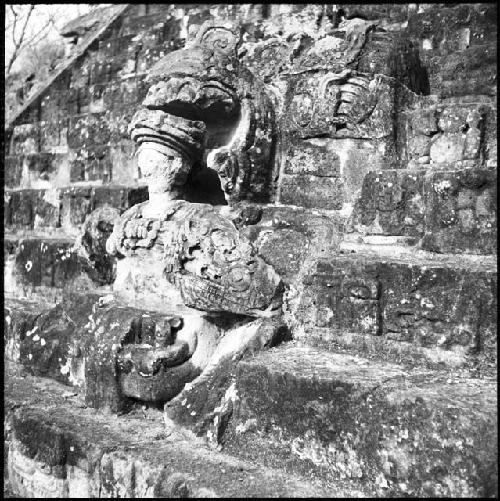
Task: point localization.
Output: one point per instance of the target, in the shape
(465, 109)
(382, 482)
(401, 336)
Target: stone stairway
(64, 449)
(384, 385)
(390, 382)
(388, 387)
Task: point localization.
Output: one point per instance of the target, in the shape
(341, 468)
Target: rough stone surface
(449, 306)
(348, 417)
(57, 446)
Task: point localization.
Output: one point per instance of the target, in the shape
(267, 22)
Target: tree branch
(21, 42)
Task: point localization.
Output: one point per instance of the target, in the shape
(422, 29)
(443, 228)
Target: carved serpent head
(206, 107)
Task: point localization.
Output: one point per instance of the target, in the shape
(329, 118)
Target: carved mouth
(148, 361)
(210, 102)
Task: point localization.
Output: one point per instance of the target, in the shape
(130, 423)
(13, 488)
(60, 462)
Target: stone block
(86, 131)
(391, 203)
(445, 307)
(28, 209)
(41, 163)
(377, 423)
(309, 157)
(461, 212)
(77, 170)
(359, 107)
(468, 72)
(346, 296)
(19, 318)
(89, 456)
(454, 28)
(25, 139)
(447, 148)
(50, 133)
(76, 206)
(312, 191)
(53, 263)
(13, 171)
(98, 165)
(51, 344)
(287, 236)
(18, 209)
(434, 306)
(101, 72)
(421, 121)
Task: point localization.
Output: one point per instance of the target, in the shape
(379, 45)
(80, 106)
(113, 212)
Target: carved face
(165, 171)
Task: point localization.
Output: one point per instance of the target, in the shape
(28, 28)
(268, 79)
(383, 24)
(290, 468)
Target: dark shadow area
(203, 186)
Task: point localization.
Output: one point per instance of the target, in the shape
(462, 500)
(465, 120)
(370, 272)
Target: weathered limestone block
(345, 297)
(19, 318)
(287, 237)
(56, 445)
(448, 29)
(87, 130)
(314, 158)
(461, 212)
(51, 345)
(25, 139)
(48, 262)
(389, 428)
(392, 12)
(30, 209)
(79, 202)
(76, 205)
(312, 191)
(340, 105)
(430, 305)
(13, 171)
(434, 306)
(472, 71)
(447, 135)
(391, 203)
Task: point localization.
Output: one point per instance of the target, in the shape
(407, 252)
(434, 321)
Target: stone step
(66, 208)
(57, 447)
(400, 432)
(109, 350)
(401, 304)
(451, 211)
(56, 340)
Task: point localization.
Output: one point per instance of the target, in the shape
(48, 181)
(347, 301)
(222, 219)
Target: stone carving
(205, 105)
(202, 253)
(196, 92)
(151, 361)
(202, 111)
